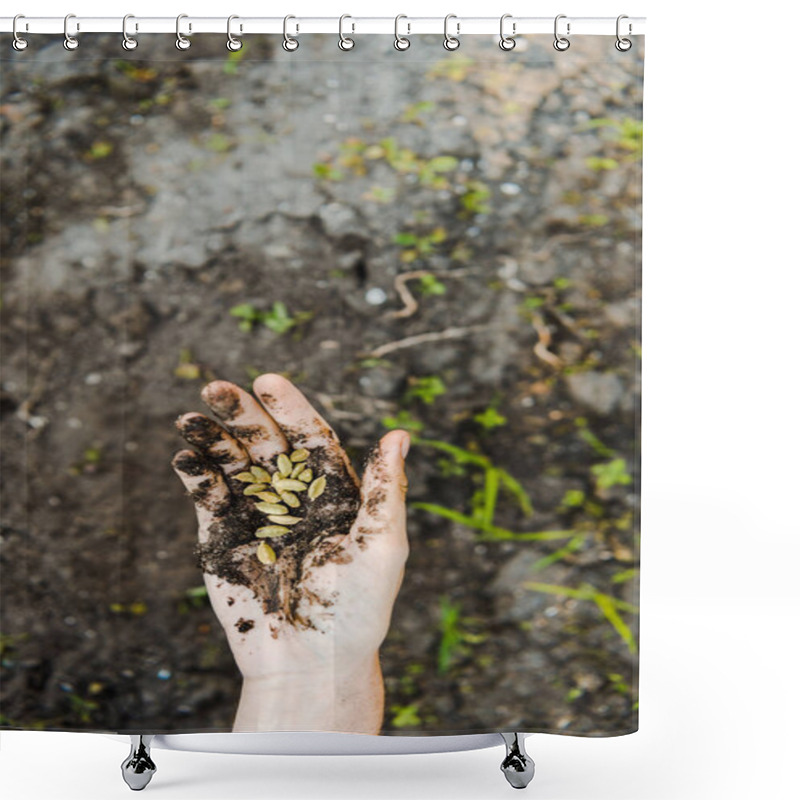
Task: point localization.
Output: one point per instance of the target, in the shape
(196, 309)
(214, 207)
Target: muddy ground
(146, 195)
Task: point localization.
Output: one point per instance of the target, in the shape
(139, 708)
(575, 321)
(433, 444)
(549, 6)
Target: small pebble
(510, 189)
(375, 296)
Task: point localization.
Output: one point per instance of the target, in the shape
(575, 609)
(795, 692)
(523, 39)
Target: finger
(381, 520)
(205, 485)
(214, 441)
(300, 422)
(246, 419)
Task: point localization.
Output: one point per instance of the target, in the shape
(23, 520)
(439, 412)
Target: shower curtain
(320, 386)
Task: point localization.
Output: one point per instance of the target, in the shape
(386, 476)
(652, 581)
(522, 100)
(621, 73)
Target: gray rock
(513, 601)
(600, 392)
(339, 220)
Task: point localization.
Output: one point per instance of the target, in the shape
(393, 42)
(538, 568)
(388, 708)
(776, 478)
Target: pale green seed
(283, 519)
(271, 531)
(298, 468)
(272, 508)
(291, 500)
(317, 488)
(261, 474)
(246, 477)
(266, 555)
(287, 484)
(255, 488)
(306, 475)
(284, 465)
(268, 497)
(299, 455)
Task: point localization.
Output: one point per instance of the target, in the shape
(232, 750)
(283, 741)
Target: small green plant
(405, 716)
(490, 418)
(187, 369)
(608, 605)
(195, 597)
(326, 171)
(581, 423)
(594, 220)
(91, 461)
(533, 303)
(99, 150)
(219, 143)
(573, 498)
(426, 389)
(627, 134)
(475, 199)
(413, 112)
(599, 164)
(277, 319)
(419, 245)
(403, 419)
(455, 639)
(430, 285)
(612, 473)
(82, 707)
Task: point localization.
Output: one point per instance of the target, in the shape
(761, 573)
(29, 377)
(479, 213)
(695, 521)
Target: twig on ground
(545, 339)
(424, 338)
(410, 304)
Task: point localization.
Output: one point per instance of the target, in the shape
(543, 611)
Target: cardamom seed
(317, 488)
(261, 474)
(268, 497)
(266, 555)
(271, 531)
(255, 488)
(287, 484)
(271, 508)
(291, 500)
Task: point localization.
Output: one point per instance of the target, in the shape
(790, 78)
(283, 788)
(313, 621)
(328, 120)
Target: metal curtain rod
(408, 26)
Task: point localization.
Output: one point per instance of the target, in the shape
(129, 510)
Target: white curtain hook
(507, 42)
(623, 45)
(19, 43)
(561, 43)
(346, 42)
(290, 43)
(401, 42)
(451, 42)
(233, 44)
(128, 42)
(70, 42)
(181, 42)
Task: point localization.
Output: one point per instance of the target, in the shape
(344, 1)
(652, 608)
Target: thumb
(381, 520)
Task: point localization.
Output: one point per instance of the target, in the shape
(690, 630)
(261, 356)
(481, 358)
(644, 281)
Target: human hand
(304, 630)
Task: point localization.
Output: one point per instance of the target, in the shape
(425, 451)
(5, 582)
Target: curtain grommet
(560, 43)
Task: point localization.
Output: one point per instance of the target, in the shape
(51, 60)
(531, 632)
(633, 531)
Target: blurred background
(448, 244)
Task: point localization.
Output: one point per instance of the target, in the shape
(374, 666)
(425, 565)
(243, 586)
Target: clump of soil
(230, 551)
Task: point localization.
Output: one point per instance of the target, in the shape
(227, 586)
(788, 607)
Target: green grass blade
(515, 488)
(491, 487)
(570, 547)
(607, 606)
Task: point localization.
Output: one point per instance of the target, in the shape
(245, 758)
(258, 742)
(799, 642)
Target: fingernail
(405, 445)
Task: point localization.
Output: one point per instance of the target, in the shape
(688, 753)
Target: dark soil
(146, 195)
